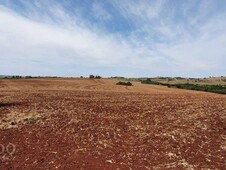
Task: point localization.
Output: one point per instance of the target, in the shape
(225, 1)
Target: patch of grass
(29, 121)
(124, 83)
(18, 119)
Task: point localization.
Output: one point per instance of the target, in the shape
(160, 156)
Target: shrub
(94, 77)
(28, 77)
(124, 83)
(149, 81)
(91, 76)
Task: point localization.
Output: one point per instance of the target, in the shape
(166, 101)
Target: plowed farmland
(95, 124)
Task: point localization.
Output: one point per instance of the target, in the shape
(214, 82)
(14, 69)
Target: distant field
(96, 124)
(201, 81)
(181, 80)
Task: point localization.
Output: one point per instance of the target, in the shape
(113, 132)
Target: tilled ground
(86, 128)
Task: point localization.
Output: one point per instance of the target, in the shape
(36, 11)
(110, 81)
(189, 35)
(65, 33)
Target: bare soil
(95, 124)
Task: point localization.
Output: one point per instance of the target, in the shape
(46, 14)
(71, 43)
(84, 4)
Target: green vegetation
(179, 78)
(208, 88)
(116, 77)
(11, 77)
(29, 121)
(166, 78)
(94, 77)
(221, 89)
(124, 83)
(149, 81)
(91, 76)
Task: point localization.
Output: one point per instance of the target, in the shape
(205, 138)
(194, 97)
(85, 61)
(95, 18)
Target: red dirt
(94, 124)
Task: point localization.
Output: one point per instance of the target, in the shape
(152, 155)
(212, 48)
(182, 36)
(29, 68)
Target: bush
(149, 81)
(91, 76)
(94, 77)
(124, 83)
(28, 77)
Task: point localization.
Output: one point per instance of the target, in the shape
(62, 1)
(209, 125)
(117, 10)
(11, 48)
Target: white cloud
(24, 39)
(139, 11)
(156, 45)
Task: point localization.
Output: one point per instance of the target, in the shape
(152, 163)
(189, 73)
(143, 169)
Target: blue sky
(113, 37)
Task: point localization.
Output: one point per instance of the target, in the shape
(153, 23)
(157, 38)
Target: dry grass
(16, 119)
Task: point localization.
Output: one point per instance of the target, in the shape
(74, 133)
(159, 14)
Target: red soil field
(95, 124)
